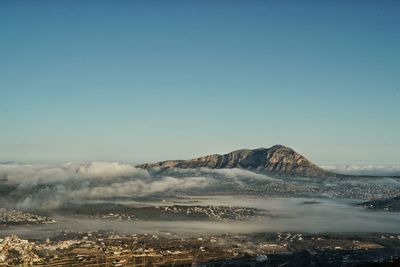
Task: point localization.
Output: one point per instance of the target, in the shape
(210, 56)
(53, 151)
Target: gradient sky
(139, 81)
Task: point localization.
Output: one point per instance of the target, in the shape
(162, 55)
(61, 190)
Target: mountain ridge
(278, 160)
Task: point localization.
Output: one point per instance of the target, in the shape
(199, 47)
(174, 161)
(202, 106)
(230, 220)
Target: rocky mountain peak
(277, 160)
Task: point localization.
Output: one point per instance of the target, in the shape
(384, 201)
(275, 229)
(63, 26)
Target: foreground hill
(277, 160)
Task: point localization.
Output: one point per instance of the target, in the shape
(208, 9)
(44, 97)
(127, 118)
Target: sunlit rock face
(277, 160)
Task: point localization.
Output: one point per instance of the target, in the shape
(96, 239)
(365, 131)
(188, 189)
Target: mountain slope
(277, 160)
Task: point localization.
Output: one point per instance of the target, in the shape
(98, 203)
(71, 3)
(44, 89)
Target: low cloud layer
(52, 198)
(364, 169)
(234, 174)
(289, 215)
(49, 186)
(22, 173)
(141, 188)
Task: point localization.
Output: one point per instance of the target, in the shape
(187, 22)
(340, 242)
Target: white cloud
(238, 174)
(141, 187)
(20, 173)
(235, 173)
(51, 198)
(364, 169)
(105, 169)
(50, 186)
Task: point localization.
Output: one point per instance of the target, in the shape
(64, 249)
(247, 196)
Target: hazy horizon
(345, 168)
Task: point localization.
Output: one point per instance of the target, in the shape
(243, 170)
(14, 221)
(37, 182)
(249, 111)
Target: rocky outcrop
(277, 160)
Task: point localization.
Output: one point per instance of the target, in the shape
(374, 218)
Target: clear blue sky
(139, 81)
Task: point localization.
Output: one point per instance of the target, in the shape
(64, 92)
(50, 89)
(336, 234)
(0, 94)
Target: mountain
(277, 160)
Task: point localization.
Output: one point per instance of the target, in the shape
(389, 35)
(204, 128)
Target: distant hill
(277, 160)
